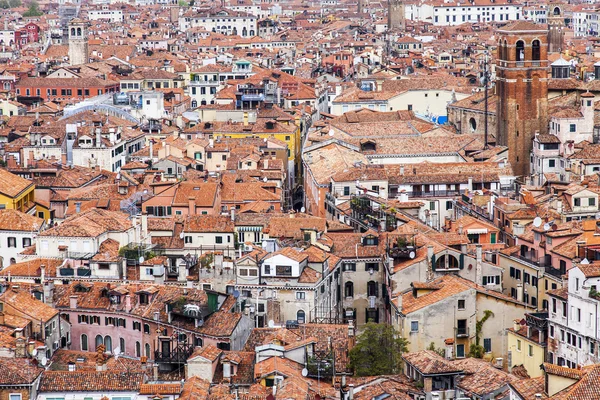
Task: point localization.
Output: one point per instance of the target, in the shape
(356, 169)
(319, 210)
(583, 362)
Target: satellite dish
(181, 235)
(304, 372)
(271, 323)
(44, 361)
(118, 169)
(117, 353)
(265, 179)
(412, 255)
(141, 259)
(584, 261)
(265, 140)
(331, 132)
(546, 226)
(537, 222)
(34, 352)
(303, 210)
(236, 293)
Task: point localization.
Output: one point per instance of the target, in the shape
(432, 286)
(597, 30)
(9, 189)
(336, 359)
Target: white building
(222, 21)
(586, 21)
(451, 12)
(574, 329)
(106, 14)
(17, 232)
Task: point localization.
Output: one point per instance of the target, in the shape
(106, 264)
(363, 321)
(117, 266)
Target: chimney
(516, 325)
(127, 303)
(63, 159)
(42, 273)
(351, 391)
(71, 366)
(73, 302)
(192, 205)
(232, 213)
(429, 252)
(470, 184)
(151, 148)
(77, 207)
(478, 268)
(226, 371)
(144, 225)
(155, 371)
(98, 137)
(20, 349)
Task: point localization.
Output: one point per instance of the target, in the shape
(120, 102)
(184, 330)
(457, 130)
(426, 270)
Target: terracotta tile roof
(18, 371)
(27, 305)
(221, 324)
(449, 286)
(529, 388)
(565, 372)
(281, 365)
(204, 193)
(562, 293)
(14, 220)
(245, 367)
(210, 352)
(12, 185)
(586, 388)
(91, 223)
(480, 377)
(195, 388)
(208, 223)
(429, 362)
(102, 381)
(292, 226)
(32, 268)
(291, 253)
(108, 251)
(160, 388)
(309, 275)
(86, 361)
(398, 387)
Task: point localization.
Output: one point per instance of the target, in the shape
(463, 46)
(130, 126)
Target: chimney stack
(127, 303)
(73, 302)
(192, 205)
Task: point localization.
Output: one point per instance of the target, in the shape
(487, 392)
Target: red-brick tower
(522, 89)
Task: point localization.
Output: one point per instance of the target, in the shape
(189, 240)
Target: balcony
(434, 193)
(253, 97)
(462, 332)
(74, 255)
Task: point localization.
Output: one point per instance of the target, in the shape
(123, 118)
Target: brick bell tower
(522, 89)
(556, 27)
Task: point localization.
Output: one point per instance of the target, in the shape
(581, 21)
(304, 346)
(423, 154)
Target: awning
(249, 228)
(477, 231)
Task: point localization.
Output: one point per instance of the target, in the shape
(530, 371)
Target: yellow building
(527, 344)
(17, 193)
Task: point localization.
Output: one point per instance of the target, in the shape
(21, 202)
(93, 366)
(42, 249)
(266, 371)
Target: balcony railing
(462, 332)
(434, 193)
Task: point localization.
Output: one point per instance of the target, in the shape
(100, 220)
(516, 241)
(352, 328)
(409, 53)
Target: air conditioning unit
(436, 396)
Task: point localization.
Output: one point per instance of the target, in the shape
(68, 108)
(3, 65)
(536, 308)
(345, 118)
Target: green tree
(33, 10)
(378, 351)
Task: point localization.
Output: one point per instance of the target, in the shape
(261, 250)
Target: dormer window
(143, 298)
(370, 240)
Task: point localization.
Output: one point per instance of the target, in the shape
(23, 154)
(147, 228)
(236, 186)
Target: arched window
(99, 341)
(556, 11)
(147, 348)
(138, 349)
(535, 50)
(251, 32)
(372, 289)
(78, 31)
(203, 103)
(122, 345)
(84, 342)
(349, 289)
(447, 261)
(520, 49)
(300, 316)
(108, 343)
(194, 103)
(13, 261)
(244, 31)
(72, 31)
(473, 124)
(505, 50)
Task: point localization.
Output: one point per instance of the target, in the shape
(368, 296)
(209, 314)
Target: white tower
(78, 42)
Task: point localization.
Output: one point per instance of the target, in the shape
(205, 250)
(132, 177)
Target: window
(372, 266)
(187, 239)
(551, 331)
(219, 239)
(518, 345)
(487, 345)
(572, 128)
(138, 349)
(461, 304)
(99, 341)
(410, 107)
(551, 163)
(372, 289)
(14, 396)
(300, 316)
(84, 342)
(592, 201)
(349, 289)
(283, 270)
(122, 345)
(300, 295)
(414, 326)
(267, 269)
(147, 329)
(12, 242)
(530, 351)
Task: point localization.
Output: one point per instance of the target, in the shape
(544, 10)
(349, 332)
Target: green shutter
(433, 262)
(462, 261)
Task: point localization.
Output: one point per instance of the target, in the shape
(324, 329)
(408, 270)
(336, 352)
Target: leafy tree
(33, 10)
(438, 350)
(378, 351)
